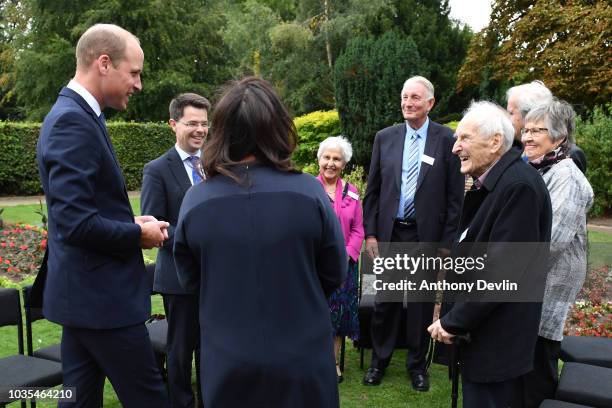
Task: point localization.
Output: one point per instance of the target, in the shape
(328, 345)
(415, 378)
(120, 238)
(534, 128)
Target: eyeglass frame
(534, 131)
(194, 124)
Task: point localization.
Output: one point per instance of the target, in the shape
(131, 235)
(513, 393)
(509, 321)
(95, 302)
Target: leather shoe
(420, 382)
(373, 376)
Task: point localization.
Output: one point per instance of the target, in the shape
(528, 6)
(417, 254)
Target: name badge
(353, 195)
(462, 237)
(428, 159)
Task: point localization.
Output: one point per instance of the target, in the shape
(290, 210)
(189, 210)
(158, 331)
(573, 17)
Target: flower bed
(22, 248)
(591, 315)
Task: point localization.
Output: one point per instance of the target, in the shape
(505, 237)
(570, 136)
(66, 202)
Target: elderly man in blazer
(164, 184)
(507, 203)
(96, 286)
(414, 194)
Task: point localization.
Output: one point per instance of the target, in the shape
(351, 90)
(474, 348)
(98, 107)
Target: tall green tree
(180, 38)
(368, 79)
(564, 43)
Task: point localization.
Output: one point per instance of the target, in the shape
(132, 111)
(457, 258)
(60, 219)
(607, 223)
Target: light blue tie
(195, 169)
(411, 177)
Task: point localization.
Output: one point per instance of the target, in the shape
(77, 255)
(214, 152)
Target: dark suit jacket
(96, 277)
(164, 184)
(513, 205)
(439, 191)
(577, 155)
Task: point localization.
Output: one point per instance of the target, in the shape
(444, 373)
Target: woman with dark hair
(261, 244)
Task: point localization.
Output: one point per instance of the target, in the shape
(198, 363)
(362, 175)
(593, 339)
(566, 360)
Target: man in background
(525, 97)
(96, 285)
(164, 184)
(414, 194)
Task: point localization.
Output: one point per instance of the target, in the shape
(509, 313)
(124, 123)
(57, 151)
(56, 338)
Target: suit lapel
(177, 168)
(99, 121)
(431, 148)
(396, 155)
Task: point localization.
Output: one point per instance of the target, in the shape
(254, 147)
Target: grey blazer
(571, 197)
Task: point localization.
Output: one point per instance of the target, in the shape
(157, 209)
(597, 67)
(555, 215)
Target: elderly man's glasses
(194, 124)
(533, 131)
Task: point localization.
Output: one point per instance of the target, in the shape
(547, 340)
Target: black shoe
(420, 382)
(373, 376)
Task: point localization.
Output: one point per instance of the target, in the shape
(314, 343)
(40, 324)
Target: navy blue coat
(512, 205)
(263, 257)
(439, 192)
(96, 277)
(164, 184)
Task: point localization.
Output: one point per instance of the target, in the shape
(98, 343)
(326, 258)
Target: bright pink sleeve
(354, 240)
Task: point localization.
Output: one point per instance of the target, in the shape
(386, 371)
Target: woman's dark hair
(249, 119)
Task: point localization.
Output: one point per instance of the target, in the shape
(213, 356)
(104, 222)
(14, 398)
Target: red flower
(23, 247)
(3, 244)
(7, 261)
(12, 244)
(43, 243)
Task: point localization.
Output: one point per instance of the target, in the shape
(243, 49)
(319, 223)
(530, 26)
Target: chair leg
(33, 404)
(342, 351)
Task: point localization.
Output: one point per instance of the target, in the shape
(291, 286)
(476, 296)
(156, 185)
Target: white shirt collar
(183, 154)
(85, 94)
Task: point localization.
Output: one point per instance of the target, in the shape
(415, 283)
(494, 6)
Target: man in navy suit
(96, 286)
(164, 184)
(414, 194)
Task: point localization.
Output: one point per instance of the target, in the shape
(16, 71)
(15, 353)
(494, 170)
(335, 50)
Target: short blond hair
(102, 39)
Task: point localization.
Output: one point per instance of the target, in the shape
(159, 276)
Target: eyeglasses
(533, 131)
(194, 124)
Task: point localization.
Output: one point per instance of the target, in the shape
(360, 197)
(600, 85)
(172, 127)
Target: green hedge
(312, 129)
(135, 144)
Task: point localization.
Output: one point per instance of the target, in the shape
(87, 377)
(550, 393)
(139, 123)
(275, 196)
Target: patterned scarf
(545, 163)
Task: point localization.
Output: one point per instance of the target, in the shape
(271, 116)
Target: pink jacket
(348, 211)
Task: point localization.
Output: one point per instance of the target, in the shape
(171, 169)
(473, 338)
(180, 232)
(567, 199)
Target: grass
(394, 392)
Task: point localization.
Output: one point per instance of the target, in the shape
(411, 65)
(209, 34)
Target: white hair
(558, 117)
(337, 142)
(423, 81)
(491, 119)
(530, 95)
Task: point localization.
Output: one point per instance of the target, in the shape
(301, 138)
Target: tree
(564, 43)
(368, 91)
(181, 54)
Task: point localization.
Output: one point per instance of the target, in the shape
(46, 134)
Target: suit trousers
(124, 355)
(540, 383)
(386, 321)
(487, 395)
(182, 313)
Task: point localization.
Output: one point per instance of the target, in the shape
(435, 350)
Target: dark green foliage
(368, 79)
(593, 136)
(135, 144)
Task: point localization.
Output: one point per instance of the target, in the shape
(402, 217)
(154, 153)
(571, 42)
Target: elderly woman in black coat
(261, 244)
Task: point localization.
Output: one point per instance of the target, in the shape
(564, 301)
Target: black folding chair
(33, 314)
(20, 370)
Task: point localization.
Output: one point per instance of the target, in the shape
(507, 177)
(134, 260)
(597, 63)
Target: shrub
(312, 129)
(593, 136)
(135, 145)
(21, 251)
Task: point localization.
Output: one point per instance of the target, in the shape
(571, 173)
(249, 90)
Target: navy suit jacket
(96, 277)
(164, 184)
(439, 192)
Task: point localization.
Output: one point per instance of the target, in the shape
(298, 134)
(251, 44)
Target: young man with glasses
(164, 184)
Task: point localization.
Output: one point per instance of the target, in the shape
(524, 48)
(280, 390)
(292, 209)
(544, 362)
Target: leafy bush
(312, 129)
(593, 135)
(135, 145)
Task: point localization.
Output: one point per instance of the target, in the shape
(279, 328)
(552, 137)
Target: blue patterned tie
(411, 178)
(195, 169)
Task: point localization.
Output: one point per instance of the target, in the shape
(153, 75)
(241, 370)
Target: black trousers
(386, 321)
(124, 355)
(182, 313)
(487, 395)
(540, 383)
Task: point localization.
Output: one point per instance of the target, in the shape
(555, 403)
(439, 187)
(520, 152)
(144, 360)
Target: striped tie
(411, 178)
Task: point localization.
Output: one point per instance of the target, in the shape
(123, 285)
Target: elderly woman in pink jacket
(333, 155)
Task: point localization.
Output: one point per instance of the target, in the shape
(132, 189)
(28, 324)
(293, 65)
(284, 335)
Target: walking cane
(453, 368)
